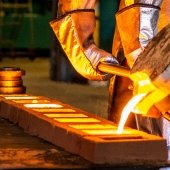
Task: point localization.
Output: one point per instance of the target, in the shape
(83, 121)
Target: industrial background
(28, 42)
(25, 32)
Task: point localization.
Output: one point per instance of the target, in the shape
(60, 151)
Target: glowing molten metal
(127, 110)
(147, 94)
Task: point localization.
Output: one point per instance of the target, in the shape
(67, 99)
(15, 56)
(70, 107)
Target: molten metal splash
(127, 110)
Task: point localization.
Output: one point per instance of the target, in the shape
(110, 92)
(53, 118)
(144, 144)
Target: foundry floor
(14, 142)
(37, 82)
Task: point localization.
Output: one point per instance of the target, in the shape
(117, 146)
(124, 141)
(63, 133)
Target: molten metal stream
(127, 110)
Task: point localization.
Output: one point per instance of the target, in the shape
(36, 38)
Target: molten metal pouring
(144, 86)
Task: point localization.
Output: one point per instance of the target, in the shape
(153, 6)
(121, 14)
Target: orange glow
(65, 115)
(51, 110)
(109, 132)
(93, 126)
(80, 120)
(142, 83)
(20, 97)
(100, 131)
(122, 137)
(147, 94)
(43, 105)
(127, 110)
(26, 101)
(152, 98)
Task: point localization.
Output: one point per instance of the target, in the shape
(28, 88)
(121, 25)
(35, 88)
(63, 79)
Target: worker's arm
(74, 29)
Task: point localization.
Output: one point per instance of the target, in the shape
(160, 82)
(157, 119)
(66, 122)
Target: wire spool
(11, 80)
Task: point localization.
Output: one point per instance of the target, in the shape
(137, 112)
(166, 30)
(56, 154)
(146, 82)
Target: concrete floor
(93, 99)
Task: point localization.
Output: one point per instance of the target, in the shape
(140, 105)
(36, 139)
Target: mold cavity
(20, 97)
(80, 120)
(65, 115)
(31, 101)
(100, 131)
(113, 132)
(42, 105)
(122, 137)
(93, 126)
(52, 110)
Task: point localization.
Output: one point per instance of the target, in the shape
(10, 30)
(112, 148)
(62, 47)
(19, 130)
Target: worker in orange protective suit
(146, 20)
(136, 25)
(131, 38)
